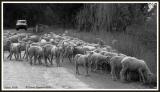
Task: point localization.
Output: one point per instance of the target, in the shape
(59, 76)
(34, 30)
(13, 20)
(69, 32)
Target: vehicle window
(23, 21)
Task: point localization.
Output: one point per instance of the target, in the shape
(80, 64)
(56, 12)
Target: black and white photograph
(79, 45)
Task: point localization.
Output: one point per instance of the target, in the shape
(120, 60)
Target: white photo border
(37, 2)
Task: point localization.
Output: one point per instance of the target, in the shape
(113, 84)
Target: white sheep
(36, 52)
(14, 38)
(14, 49)
(43, 41)
(134, 64)
(6, 45)
(89, 48)
(109, 54)
(82, 60)
(97, 58)
(56, 52)
(115, 63)
(47, 53)
(34, 38)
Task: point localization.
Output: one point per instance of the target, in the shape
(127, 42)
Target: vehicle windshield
(22, 21)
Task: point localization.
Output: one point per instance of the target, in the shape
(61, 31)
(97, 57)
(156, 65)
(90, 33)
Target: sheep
(27, 46)
(14, 49)
(34, 38)
(43, 41)
(22, 47)
(14, 38)
(26, 39)
(53, 41)
(47, 53)
(22, 35)
(26, 49)
(97, 58)
(6, 45)
(56, 52)
(109, 54)
(97, 50)
(89, 48)
(134, 64)
(36, 52)
(68, 52)
(78, 50)
(46, 38)
(81, 59)
(115, 63)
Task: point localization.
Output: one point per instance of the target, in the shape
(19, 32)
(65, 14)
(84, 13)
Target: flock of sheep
(91, 56)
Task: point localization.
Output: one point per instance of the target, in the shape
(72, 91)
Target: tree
(110, 17)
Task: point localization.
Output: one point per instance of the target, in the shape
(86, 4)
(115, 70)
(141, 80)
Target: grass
(130, 43)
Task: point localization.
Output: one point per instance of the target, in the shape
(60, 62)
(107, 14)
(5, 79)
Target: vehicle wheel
(25, 29)
(17, 29)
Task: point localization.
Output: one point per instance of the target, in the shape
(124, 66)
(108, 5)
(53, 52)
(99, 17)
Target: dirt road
(21, 75)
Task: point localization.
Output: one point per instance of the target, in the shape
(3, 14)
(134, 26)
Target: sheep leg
(24, 55)
(96, 66)
(140, 79)
(141, 73)
(69, 58)
(20, 55)
(50, 60)
(39, 59)
(113, 73)
(10, 55)
(77, 71)
(86, 67)
(45, 59)
(27, 56)
(128, 75)
(15, 55)
(122, 74)
(58, 62)
(35, 58)
(31, 60)
(91, 66)
(62, 57)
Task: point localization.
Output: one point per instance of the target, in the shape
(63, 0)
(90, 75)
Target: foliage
(50, 14)
(110, 17)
